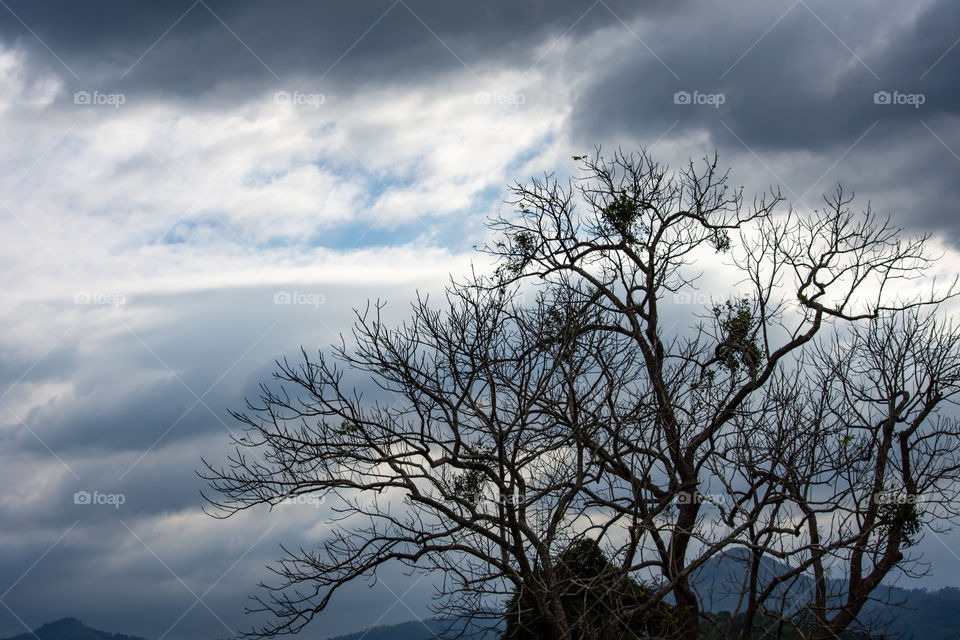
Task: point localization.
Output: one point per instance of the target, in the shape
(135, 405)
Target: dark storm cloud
(189, 48)
(801, 79)
(788, 81)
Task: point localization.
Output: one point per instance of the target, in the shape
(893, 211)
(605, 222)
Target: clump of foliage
(598, 601)
(346, 428)
(901, 518)
(468, 486)
(520, 252)
(738, 326)
(619, 216)
(720, 241)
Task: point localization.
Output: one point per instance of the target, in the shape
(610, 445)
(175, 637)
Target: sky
(190, 190)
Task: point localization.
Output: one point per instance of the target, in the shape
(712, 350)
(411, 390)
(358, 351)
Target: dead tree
(666, 434)
(693, 462)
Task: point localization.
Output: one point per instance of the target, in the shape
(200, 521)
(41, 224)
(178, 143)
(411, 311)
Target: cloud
(126, 405)
(189, 190)
(797, 85)
(245, 43)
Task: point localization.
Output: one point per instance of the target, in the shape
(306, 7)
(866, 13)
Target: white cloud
(167, 195)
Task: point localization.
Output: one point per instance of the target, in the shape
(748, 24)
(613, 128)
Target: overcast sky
(190, 190)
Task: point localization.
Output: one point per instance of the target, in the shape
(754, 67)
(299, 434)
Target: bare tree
(464, 470)
(700, 467)
(599, 414)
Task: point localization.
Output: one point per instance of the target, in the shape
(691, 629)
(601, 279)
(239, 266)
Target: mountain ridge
(925, 615)
(70, 628)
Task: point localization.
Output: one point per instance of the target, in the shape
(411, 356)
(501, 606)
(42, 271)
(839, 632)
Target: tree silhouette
(583, 398)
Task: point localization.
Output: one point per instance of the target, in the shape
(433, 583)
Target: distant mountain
(928, 615)
(924, 615)
(70, 629)
(921, 614)
(413, 630)
(722, 578)
(428, 629)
